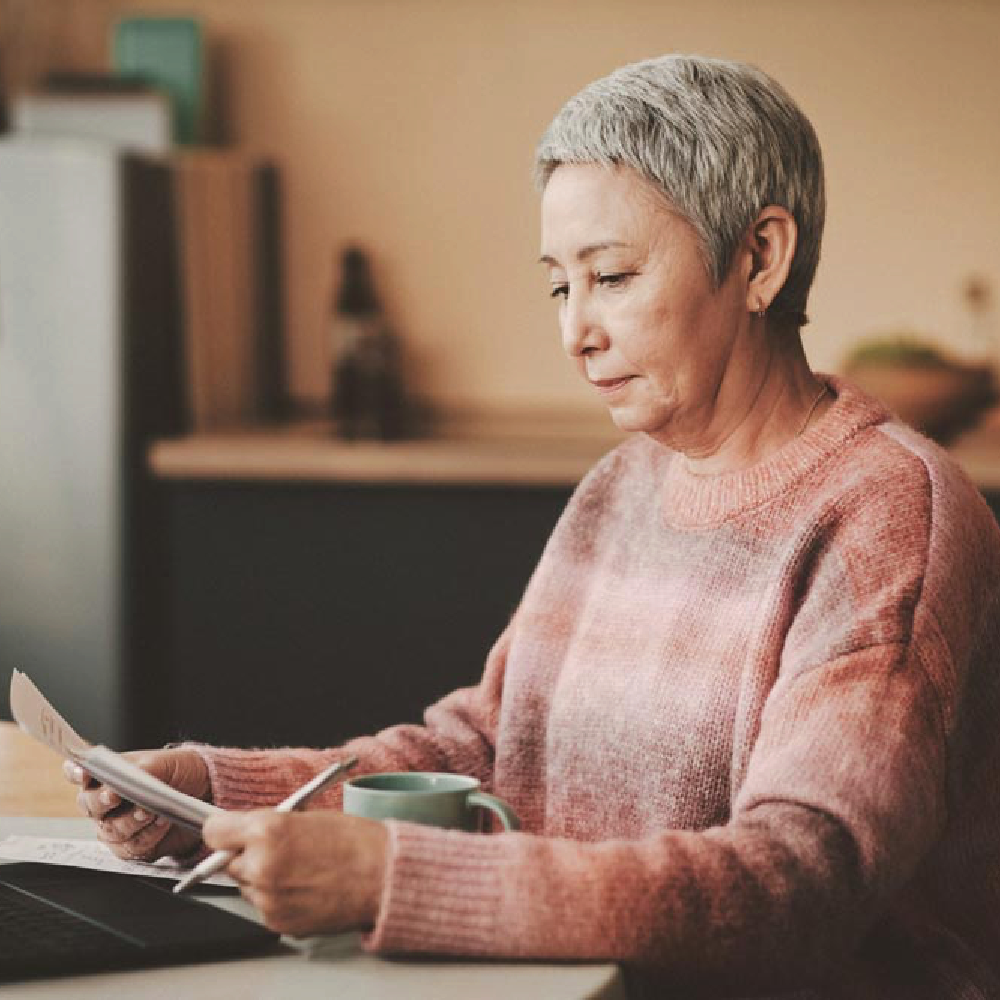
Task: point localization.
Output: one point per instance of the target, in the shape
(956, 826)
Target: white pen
(218, 860)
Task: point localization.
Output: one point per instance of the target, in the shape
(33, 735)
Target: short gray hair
(721, 140)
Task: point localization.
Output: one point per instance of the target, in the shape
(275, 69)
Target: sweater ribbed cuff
(442, 892)
(252, 779)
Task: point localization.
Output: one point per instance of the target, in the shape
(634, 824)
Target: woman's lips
(609, 385)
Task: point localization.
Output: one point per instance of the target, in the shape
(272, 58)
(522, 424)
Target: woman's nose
(581, 330)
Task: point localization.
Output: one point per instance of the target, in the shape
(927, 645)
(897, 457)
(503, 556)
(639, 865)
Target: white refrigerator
(90, 372)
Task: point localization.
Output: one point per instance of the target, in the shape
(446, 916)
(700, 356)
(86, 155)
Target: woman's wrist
(203, 790)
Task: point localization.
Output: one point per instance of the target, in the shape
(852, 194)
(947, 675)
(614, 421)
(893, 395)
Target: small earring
(761, 311)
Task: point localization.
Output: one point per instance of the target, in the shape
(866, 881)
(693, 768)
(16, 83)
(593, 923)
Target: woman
(747, 707)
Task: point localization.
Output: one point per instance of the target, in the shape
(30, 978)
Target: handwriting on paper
(54, 732)
(92, 854)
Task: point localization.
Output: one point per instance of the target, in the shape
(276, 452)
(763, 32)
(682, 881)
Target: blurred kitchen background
(284, 418)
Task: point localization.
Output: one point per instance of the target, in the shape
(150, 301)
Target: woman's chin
(631, 419)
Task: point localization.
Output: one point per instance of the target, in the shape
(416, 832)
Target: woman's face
(637, 309)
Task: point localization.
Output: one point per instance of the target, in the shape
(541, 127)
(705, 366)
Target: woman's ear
(770, 243)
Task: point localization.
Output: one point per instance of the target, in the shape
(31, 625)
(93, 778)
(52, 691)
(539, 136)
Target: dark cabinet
(308, 613)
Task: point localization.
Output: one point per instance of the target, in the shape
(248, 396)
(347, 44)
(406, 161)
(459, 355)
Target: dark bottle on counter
(366, 389)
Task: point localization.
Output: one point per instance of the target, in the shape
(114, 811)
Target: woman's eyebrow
(585, 251)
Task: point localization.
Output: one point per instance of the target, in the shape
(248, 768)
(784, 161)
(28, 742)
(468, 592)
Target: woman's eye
(559, 290)
(616, 279)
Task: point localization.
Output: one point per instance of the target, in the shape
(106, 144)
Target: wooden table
(31, 779)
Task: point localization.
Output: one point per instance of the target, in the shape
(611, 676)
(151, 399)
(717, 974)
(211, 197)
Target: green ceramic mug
(448, 800)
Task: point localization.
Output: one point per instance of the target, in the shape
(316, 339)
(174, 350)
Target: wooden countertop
(551, 456)
(311, 452)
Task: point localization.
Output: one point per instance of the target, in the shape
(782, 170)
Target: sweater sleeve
(458, 735)
(843, 795)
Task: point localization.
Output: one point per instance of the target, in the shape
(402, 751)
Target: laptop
(56, 920)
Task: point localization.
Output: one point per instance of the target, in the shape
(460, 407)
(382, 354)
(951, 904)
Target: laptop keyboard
(62, 921)
(29, 925)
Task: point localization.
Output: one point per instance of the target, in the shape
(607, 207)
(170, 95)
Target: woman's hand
(132, 832)
(307, 872)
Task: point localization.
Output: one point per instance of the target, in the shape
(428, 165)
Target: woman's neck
(760, 410)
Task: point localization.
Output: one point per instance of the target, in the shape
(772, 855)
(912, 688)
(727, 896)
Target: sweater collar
(693, 500)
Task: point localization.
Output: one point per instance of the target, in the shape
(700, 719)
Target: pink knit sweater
(751, 724)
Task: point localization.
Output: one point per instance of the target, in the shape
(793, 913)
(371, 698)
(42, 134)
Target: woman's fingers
(142, 844)
(228, 831)
(75, 774)
(156, 839)
(308, 872)
(100, 803)
(259, 830)
(118, 829)
(180, 768)
(131, 831)
(258, 838)
(78, 776)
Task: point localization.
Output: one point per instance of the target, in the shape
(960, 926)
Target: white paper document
(39, 719)
(91, 854)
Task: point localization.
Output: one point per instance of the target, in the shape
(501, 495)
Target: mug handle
(498, 807)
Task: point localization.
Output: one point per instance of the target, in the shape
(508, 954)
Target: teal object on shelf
(168, 53)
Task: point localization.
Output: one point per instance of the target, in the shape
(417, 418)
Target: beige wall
(408, 125)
